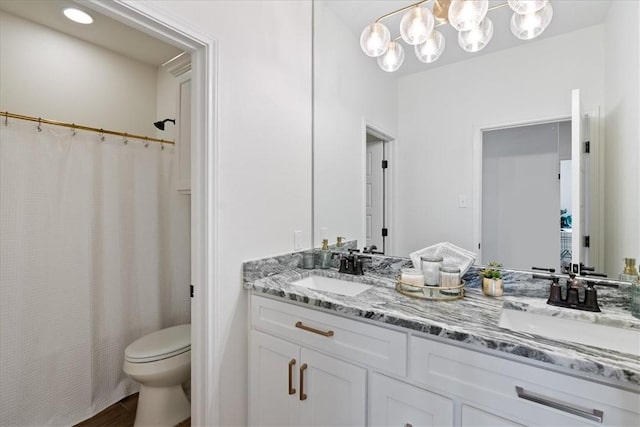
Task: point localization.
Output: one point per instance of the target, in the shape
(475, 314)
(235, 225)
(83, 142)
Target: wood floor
(121, 414)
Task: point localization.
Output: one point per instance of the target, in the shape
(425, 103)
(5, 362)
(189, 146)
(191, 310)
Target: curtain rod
(40, 120)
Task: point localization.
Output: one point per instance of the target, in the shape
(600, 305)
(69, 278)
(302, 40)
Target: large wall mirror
(435, 126)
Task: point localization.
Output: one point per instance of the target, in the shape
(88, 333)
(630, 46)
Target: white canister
(449, 276)
(412, 276)
(431, 269)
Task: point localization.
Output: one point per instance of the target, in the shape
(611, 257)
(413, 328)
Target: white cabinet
(397, 404)
(293, 386)
(183, 142)
(518, 393)
(310, 368)
(474, 417)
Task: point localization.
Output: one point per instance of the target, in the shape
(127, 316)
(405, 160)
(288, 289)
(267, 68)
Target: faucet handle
(339, 242)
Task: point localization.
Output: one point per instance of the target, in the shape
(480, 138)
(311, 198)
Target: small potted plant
(492, 283)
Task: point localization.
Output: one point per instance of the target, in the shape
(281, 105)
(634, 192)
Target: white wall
(622, 135)
(349, 90)
(51, 75)
(264, 136)
(439, 109)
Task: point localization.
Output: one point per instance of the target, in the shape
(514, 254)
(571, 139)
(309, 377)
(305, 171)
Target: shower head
(160, 124)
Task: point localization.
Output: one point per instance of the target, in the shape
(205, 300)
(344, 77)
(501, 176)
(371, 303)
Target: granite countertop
(471, 321)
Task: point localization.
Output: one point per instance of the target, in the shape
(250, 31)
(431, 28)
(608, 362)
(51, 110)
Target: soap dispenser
(325, 255)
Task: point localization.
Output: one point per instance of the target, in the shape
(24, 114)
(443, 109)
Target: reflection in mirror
(435, 114)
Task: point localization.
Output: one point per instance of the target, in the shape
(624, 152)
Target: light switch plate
(297, 240)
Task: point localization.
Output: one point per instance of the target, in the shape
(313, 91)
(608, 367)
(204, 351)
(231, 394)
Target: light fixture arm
(401, 10)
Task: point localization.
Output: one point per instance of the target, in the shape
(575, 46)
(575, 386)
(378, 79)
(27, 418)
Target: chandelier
(469, 17)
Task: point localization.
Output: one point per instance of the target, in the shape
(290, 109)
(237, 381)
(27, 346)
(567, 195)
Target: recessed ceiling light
(76, 15)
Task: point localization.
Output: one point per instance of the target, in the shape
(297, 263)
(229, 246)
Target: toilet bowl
(161, 363)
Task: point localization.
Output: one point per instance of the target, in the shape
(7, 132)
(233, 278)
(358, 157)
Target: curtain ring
(125, 141)
(6, 118)
(101, 135)
(39, 123)
(73, 129)
(146, 142)
(162, 146)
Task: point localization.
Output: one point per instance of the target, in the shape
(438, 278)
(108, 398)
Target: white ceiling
(568, 15)
(104, 31)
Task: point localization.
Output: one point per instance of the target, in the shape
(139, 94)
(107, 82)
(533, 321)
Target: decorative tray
(436, 293)
(450, 253)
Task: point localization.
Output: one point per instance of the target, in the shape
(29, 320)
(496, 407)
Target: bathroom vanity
(380, 358)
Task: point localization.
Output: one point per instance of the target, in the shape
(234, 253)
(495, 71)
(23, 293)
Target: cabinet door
(394, 403)
(473, 417)
(271, 401)
(335, 391)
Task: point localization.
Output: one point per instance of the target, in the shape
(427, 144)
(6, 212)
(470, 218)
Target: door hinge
(478, 245)
(558, 176)
(385, 164)
(587, 147)
(587, 241)
(385, 232)
(191, 290)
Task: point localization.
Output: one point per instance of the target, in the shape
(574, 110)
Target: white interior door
(521, 196)
(375, 194)
(577, 171)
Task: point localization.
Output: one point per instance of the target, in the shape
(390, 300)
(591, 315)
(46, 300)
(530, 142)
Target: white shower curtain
(94, 253)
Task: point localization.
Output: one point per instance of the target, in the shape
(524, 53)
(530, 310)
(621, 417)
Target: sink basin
(333, 285)
(607, 337)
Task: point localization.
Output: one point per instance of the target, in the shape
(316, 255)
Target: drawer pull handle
(408, 425)
(314, 330)
(303, 395)
(591, 414)
(292, 363)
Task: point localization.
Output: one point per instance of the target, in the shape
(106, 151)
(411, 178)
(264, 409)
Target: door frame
(389, 147)
(159, 23)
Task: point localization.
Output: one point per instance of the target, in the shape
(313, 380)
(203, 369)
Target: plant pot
(492, 287)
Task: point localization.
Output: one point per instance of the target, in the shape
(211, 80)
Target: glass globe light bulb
(431, 49)
(477, 38)
(416, 25)
(465, 15)
(527, 6)
(392, 59)
(531, 25)
(375, 39)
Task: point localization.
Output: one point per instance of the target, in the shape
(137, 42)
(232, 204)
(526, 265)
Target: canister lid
(431, 258)
(450, 268)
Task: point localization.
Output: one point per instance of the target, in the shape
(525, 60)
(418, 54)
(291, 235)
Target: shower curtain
(94, 253)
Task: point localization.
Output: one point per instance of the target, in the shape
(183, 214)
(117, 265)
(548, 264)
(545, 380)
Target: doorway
(526, 196)
(377, 191)
(204, 193)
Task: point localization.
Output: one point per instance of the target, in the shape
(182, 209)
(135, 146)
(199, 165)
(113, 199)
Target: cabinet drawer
(543, 397)
(394, 403)
(374, 346)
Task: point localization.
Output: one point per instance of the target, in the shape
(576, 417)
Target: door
(272, 381)
(375, 194)
(577, 178)
(394, 403)
(335, 391)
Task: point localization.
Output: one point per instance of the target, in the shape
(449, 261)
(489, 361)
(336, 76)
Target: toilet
(161, 363)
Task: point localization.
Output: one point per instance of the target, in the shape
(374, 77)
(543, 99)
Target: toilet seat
(160, 345)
